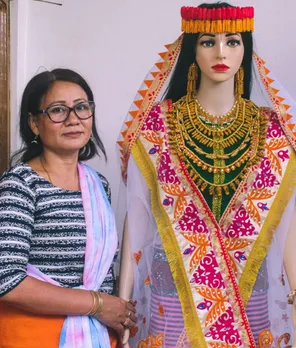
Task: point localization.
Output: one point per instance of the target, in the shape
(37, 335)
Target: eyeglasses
(60, 113)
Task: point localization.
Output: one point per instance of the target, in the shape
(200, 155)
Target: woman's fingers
(128, 323)
(119, 329)
(130, 315)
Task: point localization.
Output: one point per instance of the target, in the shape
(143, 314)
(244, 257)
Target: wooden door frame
(5, 102)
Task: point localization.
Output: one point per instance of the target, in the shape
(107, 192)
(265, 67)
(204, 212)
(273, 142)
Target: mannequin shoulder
(268, 112)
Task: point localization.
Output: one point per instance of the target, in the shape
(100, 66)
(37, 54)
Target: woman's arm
(17, 207)
(42, 298)
(35, 296)
(290, 264)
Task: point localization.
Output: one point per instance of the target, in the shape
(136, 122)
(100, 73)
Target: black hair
(36, 88)
(177, 87)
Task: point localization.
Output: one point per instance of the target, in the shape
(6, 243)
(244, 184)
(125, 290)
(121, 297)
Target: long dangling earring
(191, 81)
(35, 140)
(239, 83)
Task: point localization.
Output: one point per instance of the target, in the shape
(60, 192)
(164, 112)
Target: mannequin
(207, 243)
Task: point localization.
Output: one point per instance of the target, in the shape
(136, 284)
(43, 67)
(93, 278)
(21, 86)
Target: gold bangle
(94, 305)
(100, 303)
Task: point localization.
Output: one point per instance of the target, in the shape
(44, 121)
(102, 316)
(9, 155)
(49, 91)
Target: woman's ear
(33, 124)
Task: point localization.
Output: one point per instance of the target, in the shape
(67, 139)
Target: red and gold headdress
(217, 20)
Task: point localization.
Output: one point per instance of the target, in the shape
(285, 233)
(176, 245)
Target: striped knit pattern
(257, 312)
(166, 312)
(257, 308)
(166, 318)
(43, 225)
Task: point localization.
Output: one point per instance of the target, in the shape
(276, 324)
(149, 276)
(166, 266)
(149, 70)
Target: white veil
(266, 91)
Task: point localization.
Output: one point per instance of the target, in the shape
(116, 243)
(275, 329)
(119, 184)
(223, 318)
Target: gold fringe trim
(218, 26)
(263, 242)
(172, 249)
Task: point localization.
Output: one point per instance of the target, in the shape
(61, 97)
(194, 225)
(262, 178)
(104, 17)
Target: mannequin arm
(290, 265)
(126, 278)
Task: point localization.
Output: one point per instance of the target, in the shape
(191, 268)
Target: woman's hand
(117, 313)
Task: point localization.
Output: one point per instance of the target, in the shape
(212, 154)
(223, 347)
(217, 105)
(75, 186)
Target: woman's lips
(73, 134)
(220, 67)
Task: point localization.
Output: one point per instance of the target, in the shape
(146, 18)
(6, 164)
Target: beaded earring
(191, 81)
(239, 83)
(35, 140)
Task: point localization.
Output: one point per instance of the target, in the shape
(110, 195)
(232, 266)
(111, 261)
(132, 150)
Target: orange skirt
(19, 329)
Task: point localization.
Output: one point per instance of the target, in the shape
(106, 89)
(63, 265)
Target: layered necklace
(217, 151)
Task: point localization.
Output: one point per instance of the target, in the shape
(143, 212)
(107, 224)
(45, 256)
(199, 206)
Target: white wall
(114, 43)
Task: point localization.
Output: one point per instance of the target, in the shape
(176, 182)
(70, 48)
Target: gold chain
(246, 133)
(41, 162)
(215, 119)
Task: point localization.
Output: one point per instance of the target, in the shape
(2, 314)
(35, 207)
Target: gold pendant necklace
(241, 143)
(41, 162)
(214, 120)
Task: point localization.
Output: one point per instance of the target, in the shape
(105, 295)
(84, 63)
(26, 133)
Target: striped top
(43, 225)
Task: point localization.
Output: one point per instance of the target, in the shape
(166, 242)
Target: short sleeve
(106, 186)
(16, 224)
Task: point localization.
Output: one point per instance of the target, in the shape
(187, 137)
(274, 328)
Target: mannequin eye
(207, 43)
(233, 43)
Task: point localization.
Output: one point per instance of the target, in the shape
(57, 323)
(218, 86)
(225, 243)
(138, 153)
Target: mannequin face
(219, 56)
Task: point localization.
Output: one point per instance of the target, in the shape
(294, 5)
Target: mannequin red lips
(220, 67)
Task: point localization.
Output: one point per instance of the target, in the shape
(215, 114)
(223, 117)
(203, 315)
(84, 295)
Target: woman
(57, 232)
(211, 179)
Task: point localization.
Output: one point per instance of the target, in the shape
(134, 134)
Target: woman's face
(67, 137)
(219, 56)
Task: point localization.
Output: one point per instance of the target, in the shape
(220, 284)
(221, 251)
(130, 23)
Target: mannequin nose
(221, 49)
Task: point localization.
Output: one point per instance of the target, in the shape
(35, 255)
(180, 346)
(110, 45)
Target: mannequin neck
(216, 98)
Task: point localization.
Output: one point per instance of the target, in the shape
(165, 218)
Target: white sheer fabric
(152, 278)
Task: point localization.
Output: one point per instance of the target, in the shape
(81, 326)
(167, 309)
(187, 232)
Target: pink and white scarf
(101, 244)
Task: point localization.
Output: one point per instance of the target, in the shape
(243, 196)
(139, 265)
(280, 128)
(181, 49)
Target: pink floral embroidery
(166, 172)
(191, 221)
(207, 273)
(241, 225)
(283, 155)
(265, 178)
(224, 331)
(274, 129)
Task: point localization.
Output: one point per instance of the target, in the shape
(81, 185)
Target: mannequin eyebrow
(207, 34)
(213, 35)
(231, 34)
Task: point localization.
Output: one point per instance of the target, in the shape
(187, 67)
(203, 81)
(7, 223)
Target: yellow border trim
(263, 242)
(191, 320)
(218, 26)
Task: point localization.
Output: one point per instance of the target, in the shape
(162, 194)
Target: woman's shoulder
(18, 172)
(18, 177)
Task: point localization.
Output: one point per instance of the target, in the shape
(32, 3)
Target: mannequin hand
(117, 312)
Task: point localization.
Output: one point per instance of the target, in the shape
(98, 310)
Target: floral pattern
(213, 268)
